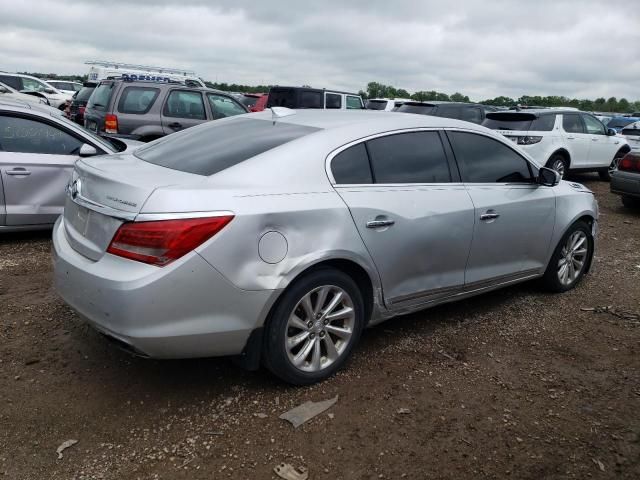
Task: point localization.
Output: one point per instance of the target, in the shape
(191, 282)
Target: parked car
(8, 93)
(305, 97)
(562, 140)
(37, 153)
(40, 107)
(618, 123)
(255, 102)
(148, 110)
(470, 112)
(102, 70)
(625, 180)
(70, 88)
(631, 133)
(79, 103)
(35, 86)
(281, 235)
(385, 104)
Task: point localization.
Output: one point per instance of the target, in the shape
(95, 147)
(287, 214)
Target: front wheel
(570, 259)
(314, 327)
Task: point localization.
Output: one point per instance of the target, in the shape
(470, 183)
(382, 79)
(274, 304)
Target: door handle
(489, 216)
(380, 223)
(594, 139)
(18, 171)
(175, 125)
(571, 138)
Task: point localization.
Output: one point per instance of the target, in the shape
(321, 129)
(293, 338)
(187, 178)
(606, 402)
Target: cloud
(482, 49)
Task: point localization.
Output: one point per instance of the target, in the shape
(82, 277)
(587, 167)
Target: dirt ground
(512, 384)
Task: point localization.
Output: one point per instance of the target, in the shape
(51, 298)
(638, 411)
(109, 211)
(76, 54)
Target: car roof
(147, 83)
(330, 90)
(428, 103)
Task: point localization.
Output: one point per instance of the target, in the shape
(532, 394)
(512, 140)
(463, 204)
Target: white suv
(562, 140)
(35, 86)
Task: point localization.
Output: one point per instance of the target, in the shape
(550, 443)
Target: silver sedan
(279, 236)
(38, 148)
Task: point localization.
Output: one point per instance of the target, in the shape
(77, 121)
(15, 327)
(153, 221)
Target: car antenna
(280, 112)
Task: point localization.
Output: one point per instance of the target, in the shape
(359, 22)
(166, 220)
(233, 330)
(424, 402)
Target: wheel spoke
(577, 265)
(562, 273)
(335, 301)
(296, 322)
(297, 339)
(572, 272)
(578, 243)
(308, 308)
(346, 312)
(580, 252)
(315, 356)
(322, 297)
(341, 332)
(332, 352)
(302, 355)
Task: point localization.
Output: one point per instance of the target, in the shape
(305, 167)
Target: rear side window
(100, 97)
(214, 146)
(22, 135)
(333, 100)
(84, 94)
(137, 100)
(571, 123)
(13, 82)
(309, 99)
(185, 104)
(352, 166)
(544, 123)
(416, 157)
(485, 160)
(354, 103)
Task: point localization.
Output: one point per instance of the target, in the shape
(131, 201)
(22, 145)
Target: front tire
(570, 259)
(314, 327)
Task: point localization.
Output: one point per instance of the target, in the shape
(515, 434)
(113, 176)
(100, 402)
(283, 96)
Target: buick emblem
(75, 188)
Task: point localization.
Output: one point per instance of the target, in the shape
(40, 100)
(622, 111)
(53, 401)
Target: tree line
(380, 90)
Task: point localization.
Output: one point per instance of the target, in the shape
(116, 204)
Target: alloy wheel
(320, 328)
(558, 166)
(614, 165)
(573, 257)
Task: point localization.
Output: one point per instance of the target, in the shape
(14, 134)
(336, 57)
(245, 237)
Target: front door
(415, 218)
(514, 217)
(182, 109)
(36, 161)
(603, 147)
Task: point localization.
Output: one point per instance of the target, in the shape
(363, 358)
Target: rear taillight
(630, 163)
(110, 123)
(526, 140)
(81, 110)
(161, 242)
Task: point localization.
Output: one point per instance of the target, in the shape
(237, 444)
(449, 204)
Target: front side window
(333, 100)
(33, 85)
(485, 160)
(185, 104)
(571, 123)
(222, 107)
(137, 100)
(354, 103)
(22, 135)
(593, 125)
(416, 157)
(351, 166)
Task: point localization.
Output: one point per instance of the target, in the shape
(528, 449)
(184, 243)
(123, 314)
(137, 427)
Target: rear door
(182, 109)
(36, 160)
(514, 217)
(603, 147)
(576, 139)
(413, 214)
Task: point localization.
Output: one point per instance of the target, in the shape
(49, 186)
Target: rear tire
(630, 202)
(302, 344)
(570, 260)
(605, 173)
(558, 163)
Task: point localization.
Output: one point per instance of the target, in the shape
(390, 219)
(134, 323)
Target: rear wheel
(605, 173)
(314, 327)
(570, 259)
(630, 202)
(558, 163)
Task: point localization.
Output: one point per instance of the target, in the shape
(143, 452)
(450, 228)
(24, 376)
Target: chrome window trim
(153, 217)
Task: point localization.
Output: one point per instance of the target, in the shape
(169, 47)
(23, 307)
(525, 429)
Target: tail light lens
(161, 242)
(110, 123)
(527, 140)
(630, 163)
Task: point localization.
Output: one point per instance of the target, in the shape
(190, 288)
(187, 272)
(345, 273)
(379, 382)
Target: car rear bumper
(186, 309)
(625, 183)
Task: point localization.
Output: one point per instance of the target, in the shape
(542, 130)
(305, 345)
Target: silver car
(278, 236)
(38, 148)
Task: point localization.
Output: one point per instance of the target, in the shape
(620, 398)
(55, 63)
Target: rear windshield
(632, 130)
(212, 147)
(376, 104)
(520, 122)
(620, 122)
(99, 100)
(84, 94)
(416, 108)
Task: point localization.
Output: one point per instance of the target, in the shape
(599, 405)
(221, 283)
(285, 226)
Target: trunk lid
(108, 190)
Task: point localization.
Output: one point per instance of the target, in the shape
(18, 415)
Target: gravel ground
(516, 383)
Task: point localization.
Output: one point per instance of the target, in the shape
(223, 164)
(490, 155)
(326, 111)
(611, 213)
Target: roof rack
(127, 78)
(102, 63)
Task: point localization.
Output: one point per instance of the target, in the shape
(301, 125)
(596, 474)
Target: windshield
(84, 94)
(520, 122)
(424, 109)
(212, 147)
(100, 97)
(376, 104)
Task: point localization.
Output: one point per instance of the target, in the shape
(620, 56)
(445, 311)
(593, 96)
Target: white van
(101, 70)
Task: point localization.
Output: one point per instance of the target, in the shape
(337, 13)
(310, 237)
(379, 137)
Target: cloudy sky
(482, 48)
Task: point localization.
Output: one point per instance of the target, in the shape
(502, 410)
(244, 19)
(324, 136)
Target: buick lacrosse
(279, 236)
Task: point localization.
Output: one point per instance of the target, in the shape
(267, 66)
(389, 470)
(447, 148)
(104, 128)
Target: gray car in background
(38, 148)
(280, 235)
(145, 110)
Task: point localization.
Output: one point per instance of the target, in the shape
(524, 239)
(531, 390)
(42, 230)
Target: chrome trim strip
(151, 217)
(103, 209)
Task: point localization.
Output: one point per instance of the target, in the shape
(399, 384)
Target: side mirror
(548, 177)
(50, 91)
(87, 150)
(611, 132)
